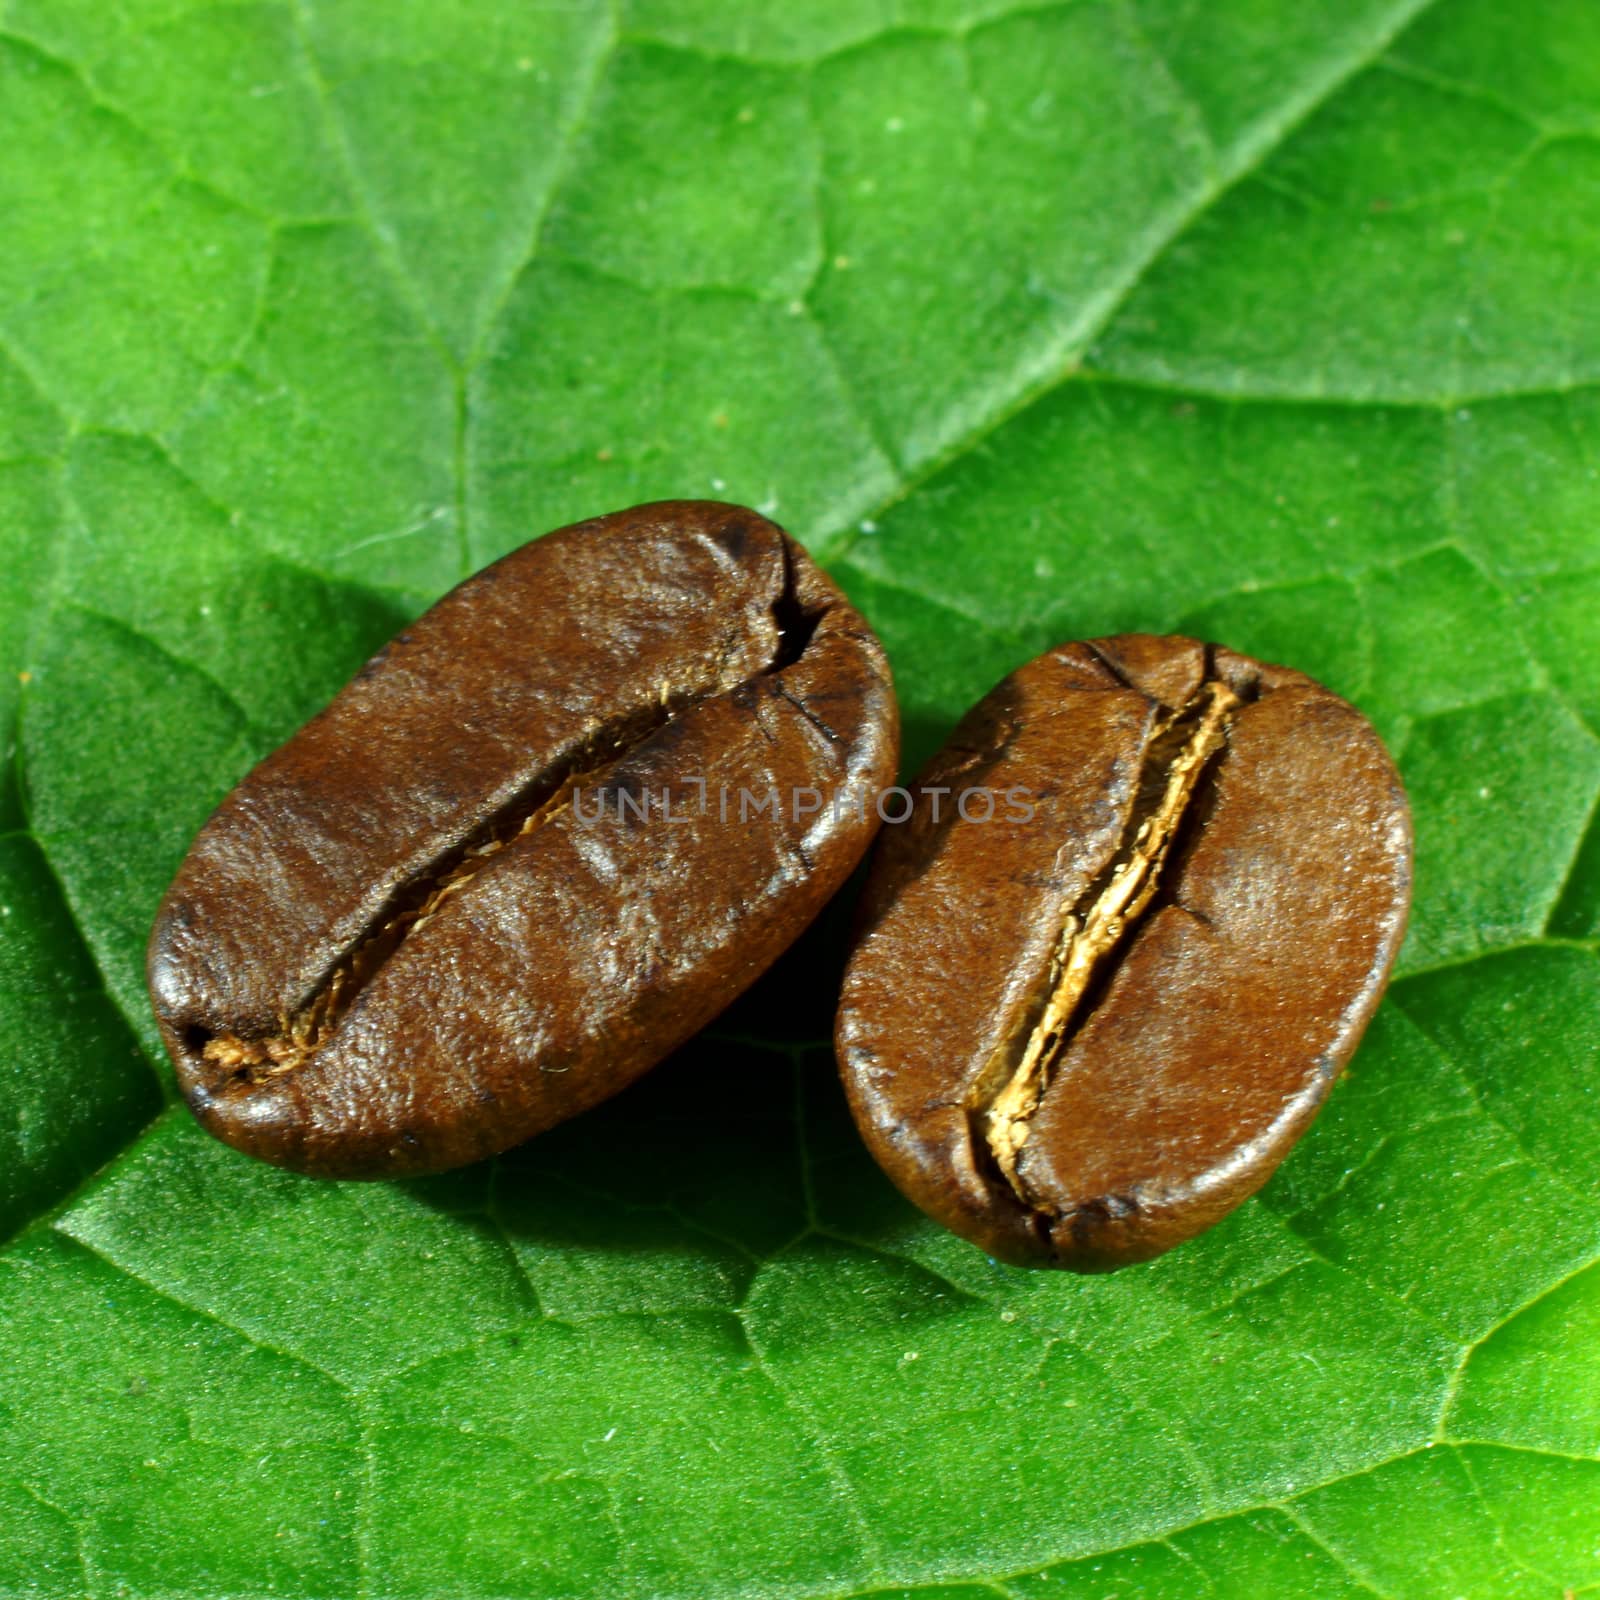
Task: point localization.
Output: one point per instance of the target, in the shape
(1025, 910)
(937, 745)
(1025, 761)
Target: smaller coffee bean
(1079, 1038)
(500, 875)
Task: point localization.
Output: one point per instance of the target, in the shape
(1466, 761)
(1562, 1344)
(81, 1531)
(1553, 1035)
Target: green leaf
(1271, 320)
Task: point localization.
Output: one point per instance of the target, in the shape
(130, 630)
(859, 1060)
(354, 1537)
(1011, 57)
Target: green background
(1273, 320)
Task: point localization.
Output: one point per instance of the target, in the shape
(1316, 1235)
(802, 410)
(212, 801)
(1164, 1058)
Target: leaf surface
(1267, 321)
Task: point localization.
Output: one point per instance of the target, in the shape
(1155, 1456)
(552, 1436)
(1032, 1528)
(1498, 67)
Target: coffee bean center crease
(1098, 924)
(301, 1033)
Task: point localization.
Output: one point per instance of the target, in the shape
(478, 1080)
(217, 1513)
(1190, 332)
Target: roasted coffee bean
(1085, 1029)
(544, 836)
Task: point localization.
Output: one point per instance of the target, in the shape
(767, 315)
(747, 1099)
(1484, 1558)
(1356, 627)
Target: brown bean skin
(487, 996)
(1213, 1019)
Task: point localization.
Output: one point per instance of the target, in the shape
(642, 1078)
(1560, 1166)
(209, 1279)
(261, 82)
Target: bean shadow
(736, 1148)
(921, 735)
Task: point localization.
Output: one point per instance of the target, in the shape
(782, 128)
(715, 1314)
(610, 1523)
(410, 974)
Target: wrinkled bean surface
(397, 946)
(1082, 1038)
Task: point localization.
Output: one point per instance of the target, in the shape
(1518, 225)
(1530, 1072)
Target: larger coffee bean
(544, 836)
(1086, 1023)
